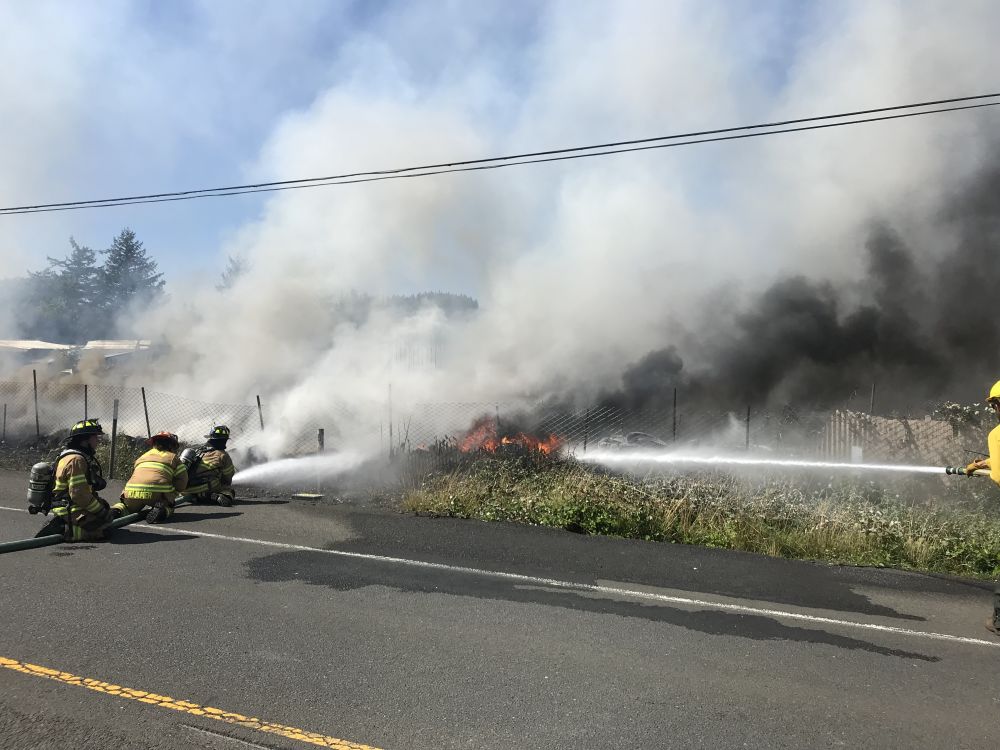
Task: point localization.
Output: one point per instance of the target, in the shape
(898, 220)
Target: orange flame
(483, 437)
(530, 442)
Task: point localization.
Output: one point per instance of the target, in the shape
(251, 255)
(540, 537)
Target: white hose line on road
(569, 585)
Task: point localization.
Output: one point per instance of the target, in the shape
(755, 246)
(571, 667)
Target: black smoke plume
(923, 331)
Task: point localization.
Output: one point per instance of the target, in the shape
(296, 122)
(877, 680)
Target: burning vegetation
(484, 436)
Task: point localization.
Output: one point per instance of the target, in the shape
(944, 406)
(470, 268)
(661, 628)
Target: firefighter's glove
(975, 466)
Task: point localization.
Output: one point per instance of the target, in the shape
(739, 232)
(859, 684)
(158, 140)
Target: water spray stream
(288, 471)
(722, 461)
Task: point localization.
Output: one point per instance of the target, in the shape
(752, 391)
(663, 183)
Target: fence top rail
(97, 387)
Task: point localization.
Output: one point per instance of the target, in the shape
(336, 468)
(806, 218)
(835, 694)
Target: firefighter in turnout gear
(156, 479)
(77, 511)
(212, 470)
(993, 464)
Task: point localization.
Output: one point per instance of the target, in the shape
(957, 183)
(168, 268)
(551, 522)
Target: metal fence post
(996, 605)
(260, 413)
(586, 429)
(38, 426)
(391, 447)
(86, 415)
(145, 409)
(748, 428)
(4, 438)
(321, 444)
(871, 405)
(674, 431)
(114, 440)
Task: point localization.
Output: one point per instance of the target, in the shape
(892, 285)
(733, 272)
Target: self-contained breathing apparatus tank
(190, 458)
(41, 482)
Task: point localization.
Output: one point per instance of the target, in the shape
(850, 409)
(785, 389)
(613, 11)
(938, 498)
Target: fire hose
(45, 541)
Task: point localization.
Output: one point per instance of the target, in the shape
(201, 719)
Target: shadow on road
(187, 517)
(128, 535)
(138, 536)
(345, 574)
(261, 501)
(558, 554)
(68, 550)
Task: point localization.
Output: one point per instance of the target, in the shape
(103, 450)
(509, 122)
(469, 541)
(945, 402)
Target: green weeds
(930, 524)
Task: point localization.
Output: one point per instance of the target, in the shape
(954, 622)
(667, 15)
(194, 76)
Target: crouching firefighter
(993, 465)
(156, 479)
(77, 511)
(211, 470)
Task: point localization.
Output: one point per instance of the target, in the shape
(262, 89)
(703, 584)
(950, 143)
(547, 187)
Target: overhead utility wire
(695, 134)
(553, 155)
(510, 164)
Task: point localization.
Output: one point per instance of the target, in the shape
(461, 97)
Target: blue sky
(171, 95)
(209, 97)
(168, 96)
(145, 96)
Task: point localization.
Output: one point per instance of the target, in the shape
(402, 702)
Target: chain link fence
(33, 411)
(36, 417)
(836, 435)
(40, 414)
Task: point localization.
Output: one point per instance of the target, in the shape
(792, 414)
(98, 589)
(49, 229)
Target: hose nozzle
(962, 472)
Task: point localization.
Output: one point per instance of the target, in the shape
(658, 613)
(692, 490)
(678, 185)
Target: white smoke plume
(581, 267)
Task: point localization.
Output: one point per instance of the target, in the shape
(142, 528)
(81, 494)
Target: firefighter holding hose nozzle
(993, 465)
(211, 470)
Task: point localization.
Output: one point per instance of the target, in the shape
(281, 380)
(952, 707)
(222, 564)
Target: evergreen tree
(80, 275)
(66, 301)
(129, 275)
(236, 266)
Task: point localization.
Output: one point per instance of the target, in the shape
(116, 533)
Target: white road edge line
(594, 588)
(221, 736)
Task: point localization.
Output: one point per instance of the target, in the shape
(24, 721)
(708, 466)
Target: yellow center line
(194, 709)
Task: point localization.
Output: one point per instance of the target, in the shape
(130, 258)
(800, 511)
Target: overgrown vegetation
(21, 455)
(929, 524)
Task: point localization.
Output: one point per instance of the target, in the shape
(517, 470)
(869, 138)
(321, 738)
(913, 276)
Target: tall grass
(930, 524)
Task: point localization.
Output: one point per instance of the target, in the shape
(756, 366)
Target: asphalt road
(392, 631)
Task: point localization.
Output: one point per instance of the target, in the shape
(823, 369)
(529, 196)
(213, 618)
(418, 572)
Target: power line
(478, 165)
(497, 162)
(551, 152)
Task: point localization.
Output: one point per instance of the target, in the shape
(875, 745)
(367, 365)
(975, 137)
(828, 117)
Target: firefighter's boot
(157, 514)
(54, 525)
(993, 624)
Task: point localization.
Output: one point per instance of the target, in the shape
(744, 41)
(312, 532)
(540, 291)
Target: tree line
(85, 295)
(82, 296)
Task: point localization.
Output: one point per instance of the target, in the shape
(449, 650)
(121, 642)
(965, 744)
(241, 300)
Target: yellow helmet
(86, 428)
(994, 392)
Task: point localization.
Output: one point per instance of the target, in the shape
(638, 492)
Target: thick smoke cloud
(799, 267)
(923, 330)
